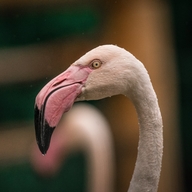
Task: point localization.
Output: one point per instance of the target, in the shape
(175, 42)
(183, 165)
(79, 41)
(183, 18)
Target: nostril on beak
(58, 83)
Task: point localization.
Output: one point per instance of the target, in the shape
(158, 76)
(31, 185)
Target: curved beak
(56, 98)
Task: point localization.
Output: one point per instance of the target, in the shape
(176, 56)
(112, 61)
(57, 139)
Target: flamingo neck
(148, 164)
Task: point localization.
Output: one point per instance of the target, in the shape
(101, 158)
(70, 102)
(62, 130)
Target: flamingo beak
(56, 98)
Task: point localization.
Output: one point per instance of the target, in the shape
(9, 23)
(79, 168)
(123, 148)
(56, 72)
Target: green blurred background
(22, 27)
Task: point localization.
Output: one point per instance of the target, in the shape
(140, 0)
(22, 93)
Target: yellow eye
(95, 64)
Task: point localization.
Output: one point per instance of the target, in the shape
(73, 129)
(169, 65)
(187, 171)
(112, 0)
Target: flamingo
(105, 71)
(83, 124)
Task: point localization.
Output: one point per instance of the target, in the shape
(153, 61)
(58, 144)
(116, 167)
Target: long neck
(148, 164)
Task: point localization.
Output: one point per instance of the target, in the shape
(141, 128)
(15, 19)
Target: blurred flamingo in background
(103, 72)
(82, 128)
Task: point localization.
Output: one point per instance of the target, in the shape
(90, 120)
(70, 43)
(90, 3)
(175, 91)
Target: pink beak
(56, 98)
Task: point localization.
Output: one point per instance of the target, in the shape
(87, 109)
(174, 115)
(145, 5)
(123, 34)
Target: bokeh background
(40, 39)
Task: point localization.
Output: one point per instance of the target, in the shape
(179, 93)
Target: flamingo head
(95, 75)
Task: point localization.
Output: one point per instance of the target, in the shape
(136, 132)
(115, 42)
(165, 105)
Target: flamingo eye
(95, 64)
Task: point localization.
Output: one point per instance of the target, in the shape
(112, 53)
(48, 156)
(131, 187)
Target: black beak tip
(43, 147)
(43, 131)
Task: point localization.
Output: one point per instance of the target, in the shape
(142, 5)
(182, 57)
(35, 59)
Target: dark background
(182, 30)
